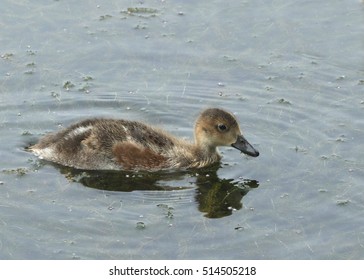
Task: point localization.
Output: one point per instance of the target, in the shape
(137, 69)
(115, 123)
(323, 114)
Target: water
(292, 73)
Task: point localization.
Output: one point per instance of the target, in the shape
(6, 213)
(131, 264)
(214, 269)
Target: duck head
(216, 127)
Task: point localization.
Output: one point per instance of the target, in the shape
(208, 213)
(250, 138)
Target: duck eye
(222, 127)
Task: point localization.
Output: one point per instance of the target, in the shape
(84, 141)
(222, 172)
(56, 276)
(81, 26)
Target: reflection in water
(220, 197)
(216, 197)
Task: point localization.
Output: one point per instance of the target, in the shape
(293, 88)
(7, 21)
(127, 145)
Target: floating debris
(18, 171)
(105, 17)
(341, 138)
(85, 88)
(340, 78)
(142, 10)
(271, 78)
(162, 205)
(284, 101)
(141, 26)
(30, 64)
(342, 202)
(7, 55)
(300, 149)
(29, 72)
(284, 195)
(229, 58)
(68, 85)
(140, 225)
(169, 214)
(87, 78)
(55, 95)
(30, 52)
(169, 210)
(26, 133)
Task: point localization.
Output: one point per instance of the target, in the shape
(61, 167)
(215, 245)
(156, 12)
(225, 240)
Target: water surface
(292, 73)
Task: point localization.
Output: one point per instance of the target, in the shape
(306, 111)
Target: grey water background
(292, 72)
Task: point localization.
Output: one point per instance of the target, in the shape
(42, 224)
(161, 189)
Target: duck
(118, 144)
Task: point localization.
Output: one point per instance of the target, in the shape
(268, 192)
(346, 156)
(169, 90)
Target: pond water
(292, 72)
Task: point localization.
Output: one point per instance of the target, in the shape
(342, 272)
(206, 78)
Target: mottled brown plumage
(108, 144)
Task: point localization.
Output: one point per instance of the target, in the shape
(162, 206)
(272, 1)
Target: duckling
(109, 144)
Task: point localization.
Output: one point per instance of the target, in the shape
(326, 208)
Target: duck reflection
(215, 197)
(220, 197)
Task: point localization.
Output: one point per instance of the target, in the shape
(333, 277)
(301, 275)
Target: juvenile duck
(108, 144)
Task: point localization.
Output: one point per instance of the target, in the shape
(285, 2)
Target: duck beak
(244, 146)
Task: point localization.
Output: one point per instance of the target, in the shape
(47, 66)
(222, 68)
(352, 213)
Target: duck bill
(244, 146)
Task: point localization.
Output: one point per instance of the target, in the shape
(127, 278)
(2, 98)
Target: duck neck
(204, 156)
(206, 150)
